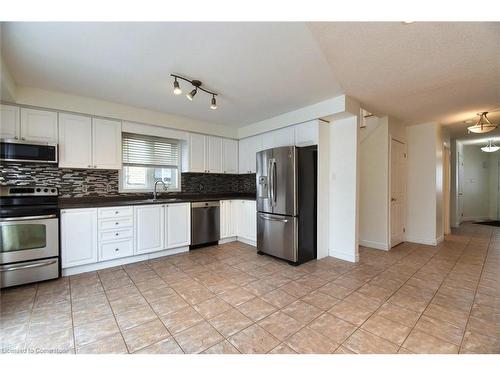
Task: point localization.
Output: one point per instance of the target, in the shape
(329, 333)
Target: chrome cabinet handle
(23, 139)
(16, 137)
(117, 234)
(34, 265)
(117, 249)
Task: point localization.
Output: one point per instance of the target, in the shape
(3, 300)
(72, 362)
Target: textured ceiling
(416, 72)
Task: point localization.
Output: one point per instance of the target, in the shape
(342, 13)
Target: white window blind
(149, 151)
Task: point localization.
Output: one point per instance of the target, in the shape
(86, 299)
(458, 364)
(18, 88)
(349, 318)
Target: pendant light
(490, 147)
(483, 125)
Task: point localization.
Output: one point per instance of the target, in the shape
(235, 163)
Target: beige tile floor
(228, 299)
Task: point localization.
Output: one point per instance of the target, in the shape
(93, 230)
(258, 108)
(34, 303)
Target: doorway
(446, 189)
(460, 189)
(398, 192)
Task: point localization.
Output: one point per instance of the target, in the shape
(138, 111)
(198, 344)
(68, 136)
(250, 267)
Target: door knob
(393, 199)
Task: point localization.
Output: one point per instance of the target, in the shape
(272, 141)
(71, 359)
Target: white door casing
(397, 192)
(460, 190)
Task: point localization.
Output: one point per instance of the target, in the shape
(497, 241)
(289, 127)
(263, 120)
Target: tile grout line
(475, 292)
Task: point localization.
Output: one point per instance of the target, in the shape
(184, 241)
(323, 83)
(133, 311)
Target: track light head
(214, 103)
(177, 88)
(191, 95)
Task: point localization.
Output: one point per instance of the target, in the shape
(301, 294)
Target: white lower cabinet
(247, 220)
(238, 218)
(116, 249)
(149, 228)
(177, 225)
(78, 237)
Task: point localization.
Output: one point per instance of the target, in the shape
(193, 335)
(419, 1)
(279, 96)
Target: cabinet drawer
(120, 222)
(115, 234)
(116, 249)
(111, 212)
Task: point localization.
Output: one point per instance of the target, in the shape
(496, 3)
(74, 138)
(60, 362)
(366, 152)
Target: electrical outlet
(109, 188)
(84, 188)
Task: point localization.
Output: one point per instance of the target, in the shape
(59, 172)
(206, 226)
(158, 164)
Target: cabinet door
(75, 141)
(78, 237)
(197, 153)
(230, 156)
(251, 219)
(307, 133)
(222, 218)
(9, 122)
(241, 221)
(284, 137)
(107, 143)
(213, 154)
(232, 216)
(178, 225)
(267, 140)
(149, 228)
(38, 125)
(243, 152)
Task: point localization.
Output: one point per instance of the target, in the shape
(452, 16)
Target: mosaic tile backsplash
(74, 183)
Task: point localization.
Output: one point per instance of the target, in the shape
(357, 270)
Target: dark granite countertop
(133, 200)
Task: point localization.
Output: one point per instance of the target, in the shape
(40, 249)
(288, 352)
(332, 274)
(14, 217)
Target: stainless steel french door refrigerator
(287, 203)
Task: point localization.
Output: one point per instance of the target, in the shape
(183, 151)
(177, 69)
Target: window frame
(121, 176)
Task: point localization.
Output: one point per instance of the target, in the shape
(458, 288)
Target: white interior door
(398, 191)
(460, 190)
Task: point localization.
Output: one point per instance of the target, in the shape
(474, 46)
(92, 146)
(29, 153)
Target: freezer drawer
(277, 236)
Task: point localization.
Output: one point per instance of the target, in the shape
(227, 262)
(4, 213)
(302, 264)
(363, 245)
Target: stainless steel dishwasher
(205, 223)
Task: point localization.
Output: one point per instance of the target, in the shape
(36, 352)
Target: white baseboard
(423, 241)
(440, 239)
(119, 262)
(475, 218)
(247, 241)
(374, 245)
(227, 240)
(344, 256)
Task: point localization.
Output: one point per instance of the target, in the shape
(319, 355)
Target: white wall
(439, 183)
(80, 104)
(421, 210)
(374, 187)
(344, 189)
(476, 183)
(493, 186)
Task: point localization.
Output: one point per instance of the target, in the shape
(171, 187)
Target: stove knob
(52, 190)
(38, 190)
(45, 190)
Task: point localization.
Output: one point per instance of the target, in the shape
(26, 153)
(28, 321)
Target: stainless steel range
(29, 234)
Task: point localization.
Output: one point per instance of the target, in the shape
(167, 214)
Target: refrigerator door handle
(266, 217)
(273, 185)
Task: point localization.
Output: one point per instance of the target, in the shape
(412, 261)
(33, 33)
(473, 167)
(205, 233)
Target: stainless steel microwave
(28, 152)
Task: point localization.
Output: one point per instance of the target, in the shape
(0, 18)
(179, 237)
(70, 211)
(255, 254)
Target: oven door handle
(28, 218)
(32, 265)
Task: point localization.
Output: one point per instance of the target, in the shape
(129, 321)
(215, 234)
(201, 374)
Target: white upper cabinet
(177, 225)
(278, 138)
(89, 143)
(149, 228)
(230, 156)
(75, 141)
(38, 125)
(10, 126)
(248, 148)
(196, 154)
(106, 143)
(78, 237)
(213, 159)
(307, 133)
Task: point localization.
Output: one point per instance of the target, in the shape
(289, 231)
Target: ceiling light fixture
(483, 125)
(177, 88)
(490, 148)
(197, 86)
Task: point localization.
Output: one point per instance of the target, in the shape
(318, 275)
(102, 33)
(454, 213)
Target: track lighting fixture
(197, 85)
(177, 88)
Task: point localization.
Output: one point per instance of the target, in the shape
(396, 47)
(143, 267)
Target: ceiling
(415, 72)
(260, 69)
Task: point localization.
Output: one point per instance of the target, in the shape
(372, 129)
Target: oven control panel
(16, 191)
